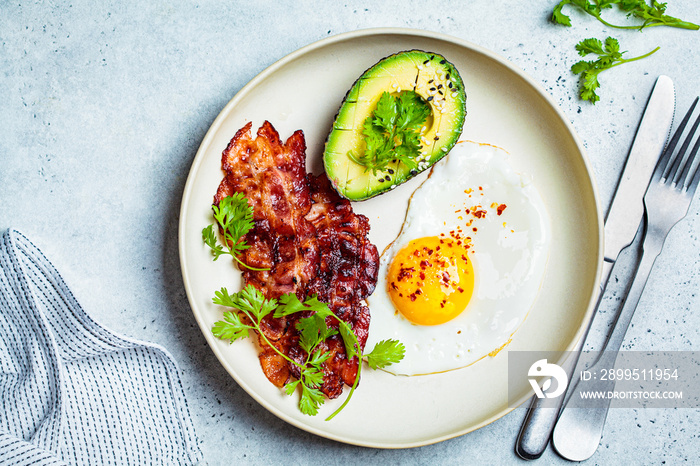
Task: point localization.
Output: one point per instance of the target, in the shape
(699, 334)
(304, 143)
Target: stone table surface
(104, 104)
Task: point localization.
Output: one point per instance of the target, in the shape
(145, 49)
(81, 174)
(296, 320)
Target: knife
(621, 224)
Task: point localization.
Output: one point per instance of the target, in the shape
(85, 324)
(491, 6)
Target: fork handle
(650, 251)
(578, 431)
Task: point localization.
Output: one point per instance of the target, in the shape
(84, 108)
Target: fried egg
(467, 266)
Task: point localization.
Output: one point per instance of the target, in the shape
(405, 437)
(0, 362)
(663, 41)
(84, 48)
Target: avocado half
(435, 80)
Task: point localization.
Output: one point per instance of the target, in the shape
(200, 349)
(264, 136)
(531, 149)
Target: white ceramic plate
(505, 107)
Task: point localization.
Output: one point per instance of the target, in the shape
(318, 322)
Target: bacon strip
(347, 274)
(311, 241)
(272, 176)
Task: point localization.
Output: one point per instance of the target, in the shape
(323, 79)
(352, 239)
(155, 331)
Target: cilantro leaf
(209, 238)
(231, 328)
(291, 387)
(558, 16)
(235, 218)
(392, 132)
(311, 399)
(386, 352)
(650, 14)
(289, 304)
(609, 56)
(313, 330)
(352, 346)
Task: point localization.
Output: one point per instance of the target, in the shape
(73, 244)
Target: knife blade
(621, 224)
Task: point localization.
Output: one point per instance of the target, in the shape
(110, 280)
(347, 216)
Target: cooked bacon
(272, 176)
(347, 271)
(312, 242)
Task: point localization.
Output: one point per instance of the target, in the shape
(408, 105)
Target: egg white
(509, 253)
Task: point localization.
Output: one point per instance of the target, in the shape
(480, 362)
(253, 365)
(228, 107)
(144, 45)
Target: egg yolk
(431, 280)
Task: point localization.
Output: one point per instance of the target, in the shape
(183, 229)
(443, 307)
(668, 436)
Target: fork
(667, 200)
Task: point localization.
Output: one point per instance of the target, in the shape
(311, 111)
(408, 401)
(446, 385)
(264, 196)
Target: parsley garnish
(650, 14)
(392, 131)
(235, 217)
(312, 331)
(609, 56)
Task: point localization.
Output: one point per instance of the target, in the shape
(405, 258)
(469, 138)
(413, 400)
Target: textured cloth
(73, 392)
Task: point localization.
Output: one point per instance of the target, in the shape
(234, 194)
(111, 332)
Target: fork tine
(696, 177)
(680, 175)
(690, 160)
(666, 158)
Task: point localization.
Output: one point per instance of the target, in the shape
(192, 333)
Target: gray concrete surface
(104, 104)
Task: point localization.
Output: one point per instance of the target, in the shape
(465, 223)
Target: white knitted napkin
(73, 392)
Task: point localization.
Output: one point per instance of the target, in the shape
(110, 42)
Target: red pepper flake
(446, 278)
(413, 297)
(474, 229)
(501, 208)
(422, 276)
(405, 272)
(418, 292)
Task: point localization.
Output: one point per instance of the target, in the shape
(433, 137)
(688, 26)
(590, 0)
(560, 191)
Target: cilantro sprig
(392, 131)
(651, 14)
(609, 56)
(235, 217)
(313, 330)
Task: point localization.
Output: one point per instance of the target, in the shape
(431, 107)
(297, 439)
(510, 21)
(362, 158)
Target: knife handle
(536, 429)
(539, 421)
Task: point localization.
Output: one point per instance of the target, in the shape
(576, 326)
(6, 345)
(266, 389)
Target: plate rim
(349, 36)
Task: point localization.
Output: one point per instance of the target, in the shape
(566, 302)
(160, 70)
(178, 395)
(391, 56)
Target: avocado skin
(431, 76)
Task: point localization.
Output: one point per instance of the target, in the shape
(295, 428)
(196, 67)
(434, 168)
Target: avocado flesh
(430, 76)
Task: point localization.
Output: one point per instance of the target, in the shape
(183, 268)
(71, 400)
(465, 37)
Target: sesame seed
(430, 98)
